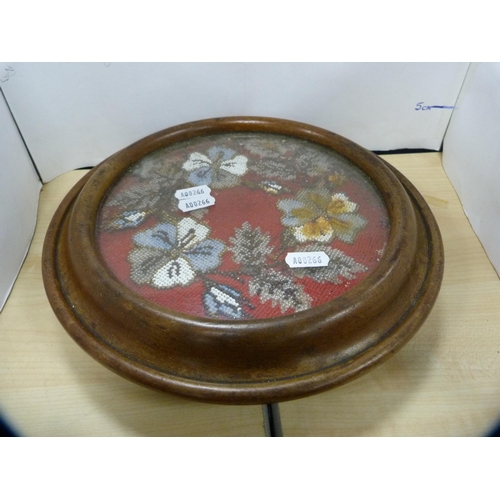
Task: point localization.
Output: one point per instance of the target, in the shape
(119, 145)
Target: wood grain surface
(50, 387)
(444, 382)
(98, 290)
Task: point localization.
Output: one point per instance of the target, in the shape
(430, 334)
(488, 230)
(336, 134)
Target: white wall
(19, 190)
(471, 154)
(75, 115)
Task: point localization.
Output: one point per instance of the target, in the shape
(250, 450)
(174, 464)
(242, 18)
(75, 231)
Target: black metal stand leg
(272, 420)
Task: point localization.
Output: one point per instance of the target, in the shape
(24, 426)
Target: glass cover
(273, 195)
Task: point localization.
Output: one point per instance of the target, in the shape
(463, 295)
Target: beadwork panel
(274, 194)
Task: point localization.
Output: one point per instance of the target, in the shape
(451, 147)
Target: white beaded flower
(166, 256)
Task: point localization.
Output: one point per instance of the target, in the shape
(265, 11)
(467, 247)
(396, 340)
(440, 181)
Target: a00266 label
(307, 259)
(192, 192)
(196, 202)
(194, 197)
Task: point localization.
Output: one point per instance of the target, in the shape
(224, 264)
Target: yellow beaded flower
(321, 216)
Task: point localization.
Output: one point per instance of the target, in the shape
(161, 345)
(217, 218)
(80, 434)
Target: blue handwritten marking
(9, 72)
(420, 106)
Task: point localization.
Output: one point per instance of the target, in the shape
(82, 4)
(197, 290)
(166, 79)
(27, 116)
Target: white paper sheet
(75, 115)
(381, 106)
(19, 190)
(471, 154)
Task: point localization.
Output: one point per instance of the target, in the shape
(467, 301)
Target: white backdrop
(77, 114)
(73, 115)
(471, 154)
(19, 189)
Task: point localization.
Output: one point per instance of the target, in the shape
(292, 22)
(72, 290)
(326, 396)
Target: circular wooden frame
(243, 361)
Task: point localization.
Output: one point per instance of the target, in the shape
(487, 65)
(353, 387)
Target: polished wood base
(244, 361)
(444, 382)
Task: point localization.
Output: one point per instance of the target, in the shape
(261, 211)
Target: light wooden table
(445, 382)
(50, 387)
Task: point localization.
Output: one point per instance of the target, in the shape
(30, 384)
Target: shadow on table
(495, 432)
(6, 430)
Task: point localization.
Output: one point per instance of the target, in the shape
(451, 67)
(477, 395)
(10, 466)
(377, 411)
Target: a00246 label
(307, 259)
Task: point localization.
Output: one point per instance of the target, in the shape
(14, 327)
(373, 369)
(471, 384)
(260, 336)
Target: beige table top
(444, 382)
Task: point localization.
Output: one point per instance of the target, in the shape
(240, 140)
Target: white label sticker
(184, 194)
(195, 202)
(307, 259)
(194, 197)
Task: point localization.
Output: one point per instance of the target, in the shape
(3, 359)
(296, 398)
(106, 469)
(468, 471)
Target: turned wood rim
(405, 205)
